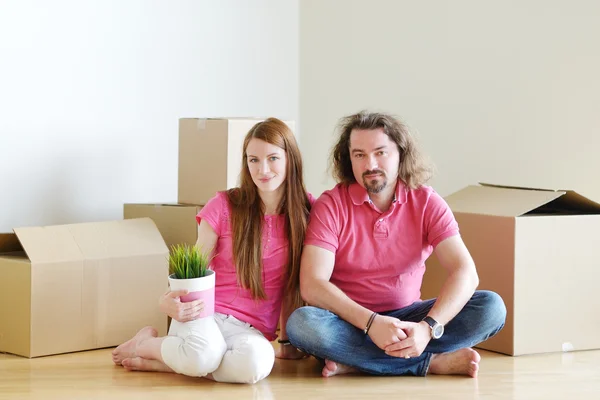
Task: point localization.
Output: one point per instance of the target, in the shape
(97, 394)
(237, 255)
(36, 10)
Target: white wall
(91, 93)
(505, 92)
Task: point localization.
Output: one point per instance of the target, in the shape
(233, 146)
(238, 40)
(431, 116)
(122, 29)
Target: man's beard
(373, 186)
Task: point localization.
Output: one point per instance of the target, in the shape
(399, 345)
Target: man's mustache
(373, 172)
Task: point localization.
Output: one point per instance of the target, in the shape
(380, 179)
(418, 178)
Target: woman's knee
(197, 361)
(255, 362)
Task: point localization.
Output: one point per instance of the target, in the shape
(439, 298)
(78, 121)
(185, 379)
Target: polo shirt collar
(359, 194)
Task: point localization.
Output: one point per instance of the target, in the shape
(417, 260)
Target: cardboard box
(210, 156)
(175, 222)
(68, 288)
(538, 250)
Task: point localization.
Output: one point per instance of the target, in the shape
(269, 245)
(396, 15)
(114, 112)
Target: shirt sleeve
(213, 211)
(439, 221)
(323, 225)
(311, 199)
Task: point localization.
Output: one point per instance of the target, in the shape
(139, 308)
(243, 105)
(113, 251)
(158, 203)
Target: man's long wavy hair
(248, 210)
(414, 169)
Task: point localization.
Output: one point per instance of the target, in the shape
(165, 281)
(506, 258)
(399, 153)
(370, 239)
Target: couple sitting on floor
(356, 256)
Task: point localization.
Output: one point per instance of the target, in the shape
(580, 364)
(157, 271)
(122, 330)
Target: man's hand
(170, 304)
(419, 335)
(386, 331)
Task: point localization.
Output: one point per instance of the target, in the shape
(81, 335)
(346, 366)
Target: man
(364, 259)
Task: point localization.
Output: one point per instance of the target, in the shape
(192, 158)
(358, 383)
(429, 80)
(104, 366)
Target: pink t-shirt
(380, 257)
(232, 299)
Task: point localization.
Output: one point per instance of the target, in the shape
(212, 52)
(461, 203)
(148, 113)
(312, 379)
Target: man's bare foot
(332, 368)
(461, 362)
(127, 349)
(142, 364)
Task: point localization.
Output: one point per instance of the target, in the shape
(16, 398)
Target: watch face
(438, 331)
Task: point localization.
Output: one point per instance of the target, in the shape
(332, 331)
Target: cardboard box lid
(513, 201)
(94, 240)
(48, 243)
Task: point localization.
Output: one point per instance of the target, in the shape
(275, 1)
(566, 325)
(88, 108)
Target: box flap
(571, 203)
(93, 240)
(514, 187)
(48, 243)
(500, 201)
(124, 238)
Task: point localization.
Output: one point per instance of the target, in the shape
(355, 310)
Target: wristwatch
(437, 329)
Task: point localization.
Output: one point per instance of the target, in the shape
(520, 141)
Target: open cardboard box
(539, 250)
(75, 287)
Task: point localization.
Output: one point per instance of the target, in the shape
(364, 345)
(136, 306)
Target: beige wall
(504, 92)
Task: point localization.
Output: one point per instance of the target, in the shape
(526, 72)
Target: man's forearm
(455, 293)
(326, 295)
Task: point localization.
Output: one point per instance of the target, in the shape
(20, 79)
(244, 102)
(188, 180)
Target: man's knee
(312, 329)
(494, 309)
(297, 320)
(301, 327)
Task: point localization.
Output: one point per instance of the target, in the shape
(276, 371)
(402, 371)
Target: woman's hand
(170, 304)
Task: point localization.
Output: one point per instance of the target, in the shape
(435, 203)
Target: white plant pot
(198, 288)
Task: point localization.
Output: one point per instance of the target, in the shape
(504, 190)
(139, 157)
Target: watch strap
(430, 321)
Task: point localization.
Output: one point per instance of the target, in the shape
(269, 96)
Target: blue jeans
(325, 335)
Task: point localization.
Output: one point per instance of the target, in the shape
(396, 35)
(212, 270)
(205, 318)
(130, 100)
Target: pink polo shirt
(380, 257)
(230, 298)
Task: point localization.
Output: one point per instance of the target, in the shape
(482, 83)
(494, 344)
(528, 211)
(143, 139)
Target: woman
(256, 232)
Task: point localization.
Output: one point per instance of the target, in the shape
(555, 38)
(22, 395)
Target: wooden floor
(91, 375)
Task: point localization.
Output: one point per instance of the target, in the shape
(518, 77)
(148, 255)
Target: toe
(128, 363)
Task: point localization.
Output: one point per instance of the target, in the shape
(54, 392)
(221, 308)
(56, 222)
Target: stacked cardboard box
(176, 222)
(210, 160)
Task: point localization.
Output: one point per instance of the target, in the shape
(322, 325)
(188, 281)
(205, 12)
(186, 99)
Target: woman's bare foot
(142, 364)
(332, 368)
(461, 362)
(127, 349)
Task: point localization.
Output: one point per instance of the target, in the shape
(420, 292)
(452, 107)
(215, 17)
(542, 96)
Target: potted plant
(189, 269)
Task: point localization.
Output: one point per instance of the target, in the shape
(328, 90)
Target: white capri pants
(232, 350)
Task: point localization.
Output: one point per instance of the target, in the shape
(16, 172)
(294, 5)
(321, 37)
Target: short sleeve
(439, 221)
(311, 199)
(323, 225)
(212, 212)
